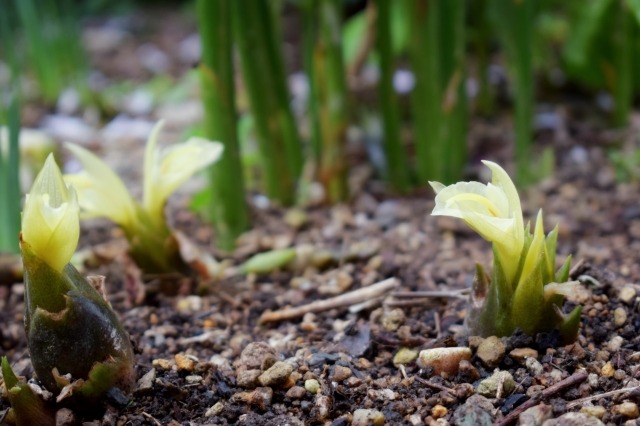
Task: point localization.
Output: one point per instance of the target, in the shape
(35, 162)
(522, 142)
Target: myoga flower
(492, 210)
(103, 194)
(50, 224)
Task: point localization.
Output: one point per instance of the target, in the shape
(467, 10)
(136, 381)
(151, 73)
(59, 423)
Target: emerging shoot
(70, 328)
(102, 193)
(524, 291)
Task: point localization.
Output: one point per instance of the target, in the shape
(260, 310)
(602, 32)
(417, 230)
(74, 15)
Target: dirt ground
(210, 356)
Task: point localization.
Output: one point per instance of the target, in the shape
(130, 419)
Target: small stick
(435, 385)
(150, 417)
(572, 380)
(353, 297)
(602, 395)
(431, 293)
(436, 319)
(574, 270)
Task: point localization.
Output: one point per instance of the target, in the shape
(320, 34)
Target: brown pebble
(248, 378)
(276, 374)
(608, 370)
(340, 373)
(296, 392)
(627, 409)
(521, 354)
(184, 362)
(439, 411)
(443, 360)
(161, 363)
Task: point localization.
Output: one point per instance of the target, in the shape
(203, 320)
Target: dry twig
(602, 395)
(574, 379)
(353, 297)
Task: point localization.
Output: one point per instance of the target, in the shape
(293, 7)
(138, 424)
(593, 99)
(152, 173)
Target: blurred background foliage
(405, 78)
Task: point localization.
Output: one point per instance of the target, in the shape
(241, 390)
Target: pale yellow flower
(165, 170)
(103, 194)
(492, 210)
(50, 221)
(100, 191)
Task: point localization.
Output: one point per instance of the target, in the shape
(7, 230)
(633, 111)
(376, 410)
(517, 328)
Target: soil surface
(208, 355)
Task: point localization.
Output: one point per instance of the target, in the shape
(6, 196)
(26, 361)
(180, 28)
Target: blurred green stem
(438, 99)
(396, 159)
(10, 158)
(623, 53)
(228, 210)
(324, 64)
(266, 83)
(515, 23)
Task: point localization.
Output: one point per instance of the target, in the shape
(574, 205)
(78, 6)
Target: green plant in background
(328, 114)
(70, 327)
(228, 209)
(9, 180)
(524, 290)
(53, 44)
(256, 30)
(438, 99)
(602, 50)
(9, 150)
(396, 158)
(152, 244)
(513, 21)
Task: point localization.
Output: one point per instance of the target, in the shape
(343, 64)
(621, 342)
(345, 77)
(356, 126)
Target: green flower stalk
(70, 328)
(524, 291)
(103, 194)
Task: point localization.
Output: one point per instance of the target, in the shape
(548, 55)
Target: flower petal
(175, 165)
(101, 192)
(50, 222)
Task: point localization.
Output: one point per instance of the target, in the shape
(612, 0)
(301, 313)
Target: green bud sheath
(27, 407)
(70, 327)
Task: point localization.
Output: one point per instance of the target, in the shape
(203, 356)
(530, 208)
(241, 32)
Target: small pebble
(608, 370)
(214, 410)
(276, 374)
(312, 386)
(615, 344)
(534, 366)
(65, 417)
(443, 360)
(627, 294)
(594, 410)
(404, 356)
(296, 392)
(192, 379)
(367, 417)
(341, 373)
(248, 378)
(581, 419)
(258, 355)
(323, 406)
(393, 319)
(164, 364)
(185, 362)
(627, 409)
(145, 382)
(491, 351)
(439, 411)
(499, 382)
(619, 316)
(521, 354)
(536, 415)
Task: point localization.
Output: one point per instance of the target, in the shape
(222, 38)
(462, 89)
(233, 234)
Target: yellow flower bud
(492, 210)
(50, 222)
